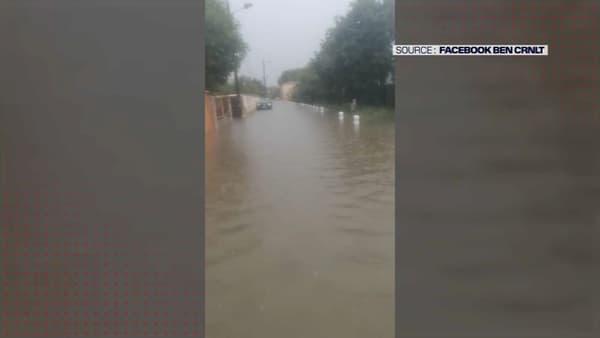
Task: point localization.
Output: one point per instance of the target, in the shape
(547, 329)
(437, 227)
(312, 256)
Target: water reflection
(301, 243)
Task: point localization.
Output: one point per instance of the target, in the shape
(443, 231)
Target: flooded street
(300, 226)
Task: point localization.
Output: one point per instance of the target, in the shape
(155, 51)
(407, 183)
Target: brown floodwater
(300, 226)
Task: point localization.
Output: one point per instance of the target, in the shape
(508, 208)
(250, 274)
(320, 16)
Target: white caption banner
(474, 50)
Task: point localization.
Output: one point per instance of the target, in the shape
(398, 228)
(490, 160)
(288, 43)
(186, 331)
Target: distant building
(287, 90)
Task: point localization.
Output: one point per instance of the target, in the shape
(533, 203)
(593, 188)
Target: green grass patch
(366, 112)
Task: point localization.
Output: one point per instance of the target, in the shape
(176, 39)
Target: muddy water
(300, 226)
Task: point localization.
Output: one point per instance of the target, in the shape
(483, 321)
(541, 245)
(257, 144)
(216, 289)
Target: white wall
(249, 103)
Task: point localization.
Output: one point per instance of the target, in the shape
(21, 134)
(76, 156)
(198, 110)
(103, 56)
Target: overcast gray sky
(285, 32)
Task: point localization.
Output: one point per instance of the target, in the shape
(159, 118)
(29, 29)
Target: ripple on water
(227, 254)
(228, 230)
(362, 232)
(368, 258)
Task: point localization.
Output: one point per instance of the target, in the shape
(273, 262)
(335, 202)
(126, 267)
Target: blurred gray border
(410, 130)
(202, 202)
(143, 173)
(397, 187)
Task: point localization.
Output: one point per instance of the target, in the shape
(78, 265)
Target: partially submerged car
(264, 104)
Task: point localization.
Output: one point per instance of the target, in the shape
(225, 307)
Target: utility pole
(237, 85)
(265, 79)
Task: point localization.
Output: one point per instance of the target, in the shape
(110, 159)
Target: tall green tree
(290, 75)
(251, 86)
(248, 86)
(355, 58)
(225, 48)
(309, 87)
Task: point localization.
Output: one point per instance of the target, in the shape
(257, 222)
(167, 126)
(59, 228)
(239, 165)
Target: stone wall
(219, 109)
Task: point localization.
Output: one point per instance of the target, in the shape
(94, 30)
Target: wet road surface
(300, 226)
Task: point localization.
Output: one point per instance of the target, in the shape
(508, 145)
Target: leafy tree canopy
(290, 75)
(251, 86)
(248, 86)
(355, 58)
(224, 46)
